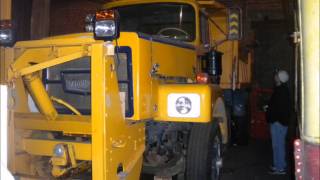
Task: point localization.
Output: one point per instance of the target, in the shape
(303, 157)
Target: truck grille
(71, 82)
(66, 81)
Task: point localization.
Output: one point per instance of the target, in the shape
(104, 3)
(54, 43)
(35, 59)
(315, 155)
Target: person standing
(278, 116)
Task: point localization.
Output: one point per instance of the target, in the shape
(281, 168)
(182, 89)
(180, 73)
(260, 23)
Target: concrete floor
(250, 162)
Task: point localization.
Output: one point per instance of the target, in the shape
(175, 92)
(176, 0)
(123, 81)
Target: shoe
(277, 172)
(272, 168)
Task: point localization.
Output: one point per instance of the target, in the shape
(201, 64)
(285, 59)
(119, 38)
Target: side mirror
(235, 27)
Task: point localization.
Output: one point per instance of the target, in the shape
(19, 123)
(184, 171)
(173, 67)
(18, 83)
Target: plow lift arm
(30, 73)
(96, 140)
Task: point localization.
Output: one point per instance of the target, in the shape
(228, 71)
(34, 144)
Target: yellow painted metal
(311, 70)
(169, 57)
(61, 160)
(50, 63)
(47, 64)
(204, 91)
(130, 137)
(68, 124)
(141, 67)
(72, 156)
(70, 40)
(236, 71)
(229, 48)
(115, 142)
(98, 87)
(245, 71)
(41, 54)
(128, 142)
(145, 54)
(42, 147)
(62, 164)
(67, 105)
(40, 95)
(142, 81)
(58, 171)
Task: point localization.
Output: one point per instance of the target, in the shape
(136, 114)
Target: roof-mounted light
(106, 25)
(6, 34)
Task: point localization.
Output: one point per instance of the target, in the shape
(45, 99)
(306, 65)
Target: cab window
(169, 20)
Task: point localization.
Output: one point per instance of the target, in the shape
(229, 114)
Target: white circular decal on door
(184, 105)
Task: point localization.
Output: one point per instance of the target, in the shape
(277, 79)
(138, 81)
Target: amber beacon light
(106, 26)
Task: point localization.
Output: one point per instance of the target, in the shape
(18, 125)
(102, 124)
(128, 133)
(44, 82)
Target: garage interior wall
(68, 16)
(21, 16)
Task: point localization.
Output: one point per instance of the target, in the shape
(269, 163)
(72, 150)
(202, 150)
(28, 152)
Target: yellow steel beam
(42, 147)
(99, 100)
(50, 63)
(68, 124)
(59, 41)
(136, 156)
(98, 96)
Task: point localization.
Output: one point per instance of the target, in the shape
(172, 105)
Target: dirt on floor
(251, 162)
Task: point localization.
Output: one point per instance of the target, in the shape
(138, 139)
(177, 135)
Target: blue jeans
(278, 135)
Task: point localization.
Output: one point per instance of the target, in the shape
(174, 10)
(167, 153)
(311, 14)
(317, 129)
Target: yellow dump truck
(141, 92)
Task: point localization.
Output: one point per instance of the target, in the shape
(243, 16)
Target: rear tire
(204, 159)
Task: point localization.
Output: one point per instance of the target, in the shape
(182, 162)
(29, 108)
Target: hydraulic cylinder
(40, 96)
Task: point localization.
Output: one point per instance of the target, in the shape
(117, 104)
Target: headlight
(6, 35)
(89, 20)
(59, 150)
(89, 28)
(106, 26)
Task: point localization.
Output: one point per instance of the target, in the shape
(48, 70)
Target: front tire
(204, 160)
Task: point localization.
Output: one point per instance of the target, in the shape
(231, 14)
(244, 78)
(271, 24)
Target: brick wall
(274, 50)
(68, 16)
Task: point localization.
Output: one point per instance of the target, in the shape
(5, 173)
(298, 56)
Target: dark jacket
(279, 106)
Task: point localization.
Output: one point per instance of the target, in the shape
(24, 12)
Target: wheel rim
(216, 159)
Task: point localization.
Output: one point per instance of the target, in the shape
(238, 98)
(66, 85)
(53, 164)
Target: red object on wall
(259, 128)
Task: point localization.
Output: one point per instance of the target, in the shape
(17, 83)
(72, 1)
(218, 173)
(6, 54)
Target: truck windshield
(170, 20)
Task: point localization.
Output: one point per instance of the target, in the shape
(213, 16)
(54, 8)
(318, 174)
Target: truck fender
(220, 115)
